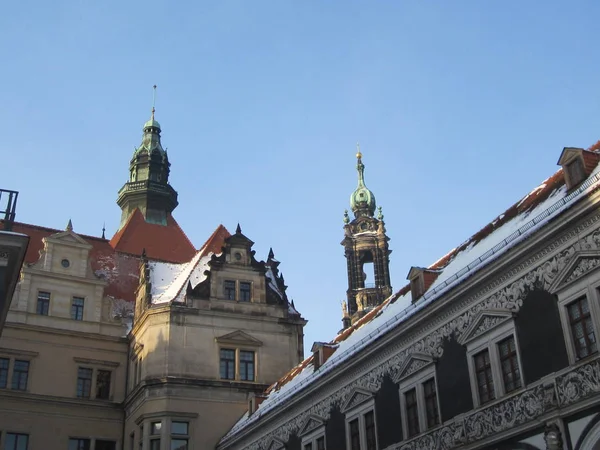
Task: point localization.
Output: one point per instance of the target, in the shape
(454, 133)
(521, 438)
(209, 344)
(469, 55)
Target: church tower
(367, 253)
(148, 188)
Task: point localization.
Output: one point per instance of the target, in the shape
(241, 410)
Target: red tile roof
(216, 241)
(164, 243)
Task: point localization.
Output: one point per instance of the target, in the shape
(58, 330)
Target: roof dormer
(421, 280)
(322, 351)
(577, 165)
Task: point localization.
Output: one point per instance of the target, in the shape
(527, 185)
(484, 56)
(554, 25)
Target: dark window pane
(16, 441)
(20, 375)
(84, 382)
(179, 444)
(354, 435)
(247, 366)
(582, 328)
(79, 444)
(431, 403)
(105, 445)
(229, 289)
(321, 443)
(412, 412)
(3, 372)
(509, 364)
(308, 446)
(43, 303)
(154, 444)
(483, 374)
(245, 289)
(77, 308)
(103, 384)
(179, 428)
(370, 430)
(227, 364)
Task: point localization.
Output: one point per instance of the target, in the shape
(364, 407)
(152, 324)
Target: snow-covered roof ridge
(518, 223)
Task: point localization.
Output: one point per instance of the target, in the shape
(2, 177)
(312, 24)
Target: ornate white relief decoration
(275, 444)
(578, 384)
(583, 266)
(483, 322)
(312, 423)
(514, 410)
(358, 397)
(412, 364)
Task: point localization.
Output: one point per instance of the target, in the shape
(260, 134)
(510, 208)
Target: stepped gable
(451, 268)
(162, 243)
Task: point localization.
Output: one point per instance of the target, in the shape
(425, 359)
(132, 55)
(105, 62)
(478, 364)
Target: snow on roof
(273, 283)
(542, 204)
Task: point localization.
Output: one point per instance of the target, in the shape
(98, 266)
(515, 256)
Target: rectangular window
(4, 372)
(79, 444)
(354, 435)
(582, 328)
(246, 365)
(20, 375)
(155, 430)
(308, 446)
(16, 441)
(245, 289)
(227, 364)
(155, 444)
(370, 430)
(84, 382)
(510, 364)
(103, 384)
(77, 308)
(483, 375)
(321, 443)
(229, 289)
(179, 444)
(43, 303)
(180, 428)
(431, 407)
(412, 412)
(105, 445)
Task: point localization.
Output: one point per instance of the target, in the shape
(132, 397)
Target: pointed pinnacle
(69, 226)
(271, 254)
(238, 230)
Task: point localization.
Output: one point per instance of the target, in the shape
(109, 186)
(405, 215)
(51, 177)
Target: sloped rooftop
(517, 223)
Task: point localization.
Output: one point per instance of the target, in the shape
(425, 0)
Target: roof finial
(358, 153)
(238, 230)
(271, 254)
(69, 226)
(103, 230)
(153, 101)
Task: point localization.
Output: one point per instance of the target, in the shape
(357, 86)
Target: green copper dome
(362, 200)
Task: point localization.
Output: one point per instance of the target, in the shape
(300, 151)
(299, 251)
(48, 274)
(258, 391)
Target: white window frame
(359, 413)
(311, 437)
(489, 341)
(416, 381)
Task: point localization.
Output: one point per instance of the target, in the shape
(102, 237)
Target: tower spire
(153, 102)
(362, 200)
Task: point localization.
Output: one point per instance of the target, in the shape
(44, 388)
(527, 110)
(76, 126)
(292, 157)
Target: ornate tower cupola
(148, 188)
(366, 250)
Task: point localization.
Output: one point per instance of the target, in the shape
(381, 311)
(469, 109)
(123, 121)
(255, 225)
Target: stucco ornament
(583, 266)
(499, 417)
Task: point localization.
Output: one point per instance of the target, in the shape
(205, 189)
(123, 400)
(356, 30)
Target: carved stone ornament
(358, 397)
(413, 364)
(541, 273)
(311, 424)
(583, 266)
(484, 322)
(553, 437)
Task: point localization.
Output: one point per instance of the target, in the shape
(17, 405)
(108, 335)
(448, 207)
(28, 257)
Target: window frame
(17, 435)
(76, 309)
(580, 288)
(93, 394)
(227, 290)
(359, 412)
(313, 436)
(6, 371)
(14, 372)
(45, 303)
(247, 283)
(79, 440)
(179, 436)
(489, 341)
(237, 362)
(221, 359)
(417, 381)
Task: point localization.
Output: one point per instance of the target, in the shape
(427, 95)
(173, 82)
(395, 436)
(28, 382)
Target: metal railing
(8, 206)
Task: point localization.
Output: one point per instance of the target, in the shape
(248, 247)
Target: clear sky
(460, 107)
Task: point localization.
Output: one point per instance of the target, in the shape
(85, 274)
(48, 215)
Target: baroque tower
(367, 252)
(148, 188)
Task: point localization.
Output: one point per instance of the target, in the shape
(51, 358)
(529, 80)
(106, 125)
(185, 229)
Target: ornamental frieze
(513, 411)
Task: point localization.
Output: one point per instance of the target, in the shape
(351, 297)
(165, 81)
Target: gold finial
(153, 100)
(358, 153)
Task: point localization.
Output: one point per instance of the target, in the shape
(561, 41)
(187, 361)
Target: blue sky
(461, 108)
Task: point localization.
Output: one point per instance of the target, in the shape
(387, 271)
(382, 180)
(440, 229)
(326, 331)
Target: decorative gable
(312, 423)
(413, 364)
(356, 398)
(579, 266)
(483, 322)
(276, 444)
(239, 338)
